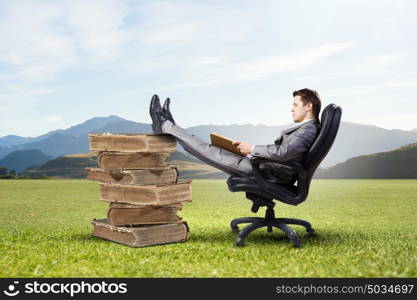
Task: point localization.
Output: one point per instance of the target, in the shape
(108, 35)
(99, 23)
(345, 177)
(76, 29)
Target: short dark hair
(310, 96)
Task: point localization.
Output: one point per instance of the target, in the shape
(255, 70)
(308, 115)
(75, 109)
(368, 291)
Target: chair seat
(249, 184)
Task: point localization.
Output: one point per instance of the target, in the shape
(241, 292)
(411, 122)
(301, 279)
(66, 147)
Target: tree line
(5, 173)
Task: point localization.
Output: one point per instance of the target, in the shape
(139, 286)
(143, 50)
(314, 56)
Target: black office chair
(262, 193)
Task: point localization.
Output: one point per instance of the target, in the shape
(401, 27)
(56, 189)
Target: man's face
(299, 110)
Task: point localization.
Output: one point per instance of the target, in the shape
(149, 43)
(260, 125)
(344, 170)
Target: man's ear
(309, 106)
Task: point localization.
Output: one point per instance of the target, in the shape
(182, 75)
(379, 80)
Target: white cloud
(40, 92)
(403, 122)
(16, 92)
(40, 39)
(209, 60)
(179, 33)
(221, 73)
(53, 118)
(31, 46)
(403, 80)
(294, 61)
(77, 48)
(97, 28)
(194, 26)
(404, 83)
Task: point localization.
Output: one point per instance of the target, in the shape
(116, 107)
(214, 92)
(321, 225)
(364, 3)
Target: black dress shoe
(157, 115)
(166, 110)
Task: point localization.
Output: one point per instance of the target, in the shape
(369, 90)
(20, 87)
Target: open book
(224, 142)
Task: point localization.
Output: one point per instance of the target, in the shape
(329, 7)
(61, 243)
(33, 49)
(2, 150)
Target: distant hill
(73, 165)
(92, 125)
(352, 140)
(179, 156)
(20, 159)
(66, 166)
(57, 143)
(69, 141)
(400, 163)
(125, 126)
(14, 140)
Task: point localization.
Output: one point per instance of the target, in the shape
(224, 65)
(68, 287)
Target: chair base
(269, 221)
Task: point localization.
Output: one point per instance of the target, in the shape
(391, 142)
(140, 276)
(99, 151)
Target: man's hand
(244, 148)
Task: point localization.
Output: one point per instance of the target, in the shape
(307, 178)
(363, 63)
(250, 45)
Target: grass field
(365, 228)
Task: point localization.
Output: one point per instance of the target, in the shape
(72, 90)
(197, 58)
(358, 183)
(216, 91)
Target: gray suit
(289, 147)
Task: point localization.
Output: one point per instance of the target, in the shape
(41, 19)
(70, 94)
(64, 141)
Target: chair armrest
(279, 191)
(255, 161)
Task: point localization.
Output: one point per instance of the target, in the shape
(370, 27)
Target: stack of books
(143, 191)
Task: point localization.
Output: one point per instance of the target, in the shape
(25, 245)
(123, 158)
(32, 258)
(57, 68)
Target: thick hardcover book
(161, 175)
(127, 214)
(123, 160)
(163, 194)
(132, 142)
(224, 142)
(141, 236)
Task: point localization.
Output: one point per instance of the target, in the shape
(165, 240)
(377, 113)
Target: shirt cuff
(249, 155)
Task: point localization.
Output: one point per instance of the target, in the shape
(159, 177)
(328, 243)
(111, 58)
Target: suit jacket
(290, 147)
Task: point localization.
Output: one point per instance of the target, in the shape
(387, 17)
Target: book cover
(141, 236)
(132, 142)
(224, 142)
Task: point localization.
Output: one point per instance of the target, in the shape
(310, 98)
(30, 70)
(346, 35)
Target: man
(289, 148)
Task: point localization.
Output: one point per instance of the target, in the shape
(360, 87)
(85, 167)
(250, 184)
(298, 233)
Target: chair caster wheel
(311, 231)
(296, 244)
(235, 229)
(240, 242)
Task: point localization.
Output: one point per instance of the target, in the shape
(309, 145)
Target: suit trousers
(222, 159)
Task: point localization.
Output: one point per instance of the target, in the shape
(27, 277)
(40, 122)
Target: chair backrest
(330, 122)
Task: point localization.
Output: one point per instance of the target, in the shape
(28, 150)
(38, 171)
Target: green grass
(365, 228)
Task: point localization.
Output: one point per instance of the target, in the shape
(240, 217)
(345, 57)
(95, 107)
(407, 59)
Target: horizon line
(233, 124)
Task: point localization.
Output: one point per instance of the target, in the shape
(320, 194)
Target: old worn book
(163, 194)
(141, 236)
(132, 142)
(123, 160)
(139, 176)
(128, 214)
(224, 142)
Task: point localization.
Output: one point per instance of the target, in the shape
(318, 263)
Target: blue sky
(221, 62)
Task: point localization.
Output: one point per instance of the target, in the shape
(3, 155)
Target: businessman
(290, 147)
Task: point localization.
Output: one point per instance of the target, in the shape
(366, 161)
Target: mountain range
(352, 140)
(21, 159)
(399, 163)
(73, 166)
